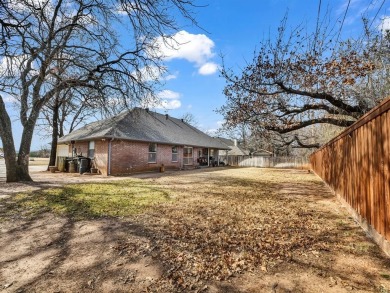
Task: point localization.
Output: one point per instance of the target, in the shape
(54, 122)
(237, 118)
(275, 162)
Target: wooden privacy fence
(265, 162)
(356, 165)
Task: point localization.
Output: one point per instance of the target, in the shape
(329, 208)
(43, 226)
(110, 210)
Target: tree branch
(303, 124)
(354, 111)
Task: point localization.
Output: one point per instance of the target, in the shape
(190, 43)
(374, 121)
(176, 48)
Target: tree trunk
(25, 145)
(61, 128)
(54, 135)
(24, 153)
(8, 144)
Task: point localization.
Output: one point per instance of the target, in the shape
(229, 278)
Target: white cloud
(163, 104)
(195, 48)
(127, 8)
(385, 24)
(149, 73)
(154, 73)
(122, 9)
(166, 99)
(208, 68)
(4, 64)
(211, 131)
(20, 7)
(168, 94)
(169, 105)
(8, 98)
(183, 45)
(171, 76)
(12, 65)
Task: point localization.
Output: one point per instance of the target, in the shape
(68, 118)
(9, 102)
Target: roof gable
(235, 148)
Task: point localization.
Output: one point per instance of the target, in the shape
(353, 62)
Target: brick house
(141, 140)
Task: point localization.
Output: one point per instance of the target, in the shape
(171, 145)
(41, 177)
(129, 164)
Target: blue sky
(233, 29)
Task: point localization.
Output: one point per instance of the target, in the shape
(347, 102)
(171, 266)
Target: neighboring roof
(227, 141)
(144, 125)
(238, 151)
(235, 150)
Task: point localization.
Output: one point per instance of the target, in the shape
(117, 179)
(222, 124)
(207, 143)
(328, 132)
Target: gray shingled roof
(142, 125)
(235, 150)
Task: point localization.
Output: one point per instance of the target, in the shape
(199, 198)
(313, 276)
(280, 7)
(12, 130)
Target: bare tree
(65, 112)
(49, 46)
(190, 119)
(302, 79)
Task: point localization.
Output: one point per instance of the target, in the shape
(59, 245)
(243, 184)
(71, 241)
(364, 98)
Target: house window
(91, 149)
(152, 157)
(174, 154)
(188, 158)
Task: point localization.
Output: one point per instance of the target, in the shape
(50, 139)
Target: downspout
(208, 157)
(181, 156)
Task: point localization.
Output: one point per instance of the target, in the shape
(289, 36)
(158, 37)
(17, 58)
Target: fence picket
(386, 172)
(356, 164)
(265, 162)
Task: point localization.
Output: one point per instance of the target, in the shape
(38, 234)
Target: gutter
(226, 147)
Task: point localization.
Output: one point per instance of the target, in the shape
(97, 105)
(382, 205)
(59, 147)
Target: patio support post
(227, 158)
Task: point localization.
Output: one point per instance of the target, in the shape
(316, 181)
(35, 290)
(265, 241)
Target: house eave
(110, 137)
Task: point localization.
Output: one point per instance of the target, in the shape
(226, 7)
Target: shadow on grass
(87, 200)
(201, 233)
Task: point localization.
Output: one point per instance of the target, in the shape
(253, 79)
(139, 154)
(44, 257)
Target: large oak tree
(301, 79)
(50, 46)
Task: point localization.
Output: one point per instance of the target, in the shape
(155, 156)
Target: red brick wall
(130, 156)
(81, 148)
(101, 153)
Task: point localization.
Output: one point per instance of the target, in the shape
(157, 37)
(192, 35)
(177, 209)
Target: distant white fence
(266, 162)
(2, 170)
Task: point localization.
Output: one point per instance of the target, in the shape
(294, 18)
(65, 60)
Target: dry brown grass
(39, 161)
(224, 230)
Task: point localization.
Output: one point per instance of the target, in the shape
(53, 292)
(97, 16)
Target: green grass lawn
(90, 200)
